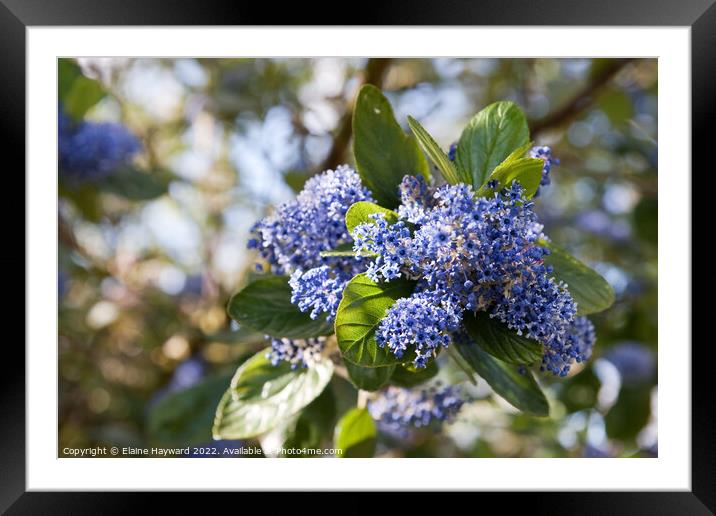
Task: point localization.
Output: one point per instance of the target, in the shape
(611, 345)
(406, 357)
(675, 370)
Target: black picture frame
(17, 15)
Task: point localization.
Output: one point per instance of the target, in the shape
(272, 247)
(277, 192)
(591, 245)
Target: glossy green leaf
(369, 378)
(264, 305)
(490, 137)
(519, 388)
(364, 304)
(590, 291)
(261, 396)
(447, 168)
(184, 418)
(501, 342)
(384, 153)
(356, 434)
(360, 212)
(527, 171)
(410, 376)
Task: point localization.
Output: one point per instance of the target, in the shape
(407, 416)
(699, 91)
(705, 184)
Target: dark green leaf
(264, 305)
(184, 418)
(590, 291)
(360, 212)
(363, 306)
(315, 423)
(369, 378)
(447, 168)
(498, 340)
(410, 376)
(384, 153)
(490, 137)
(261, 396)
(519, 388)
(133, 184)
(629, 414)
(356, 434)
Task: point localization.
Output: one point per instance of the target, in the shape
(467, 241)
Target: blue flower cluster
(468, 253)
(292, 238)
(544, 153)
(397, 409)
(297, 352)
(419, 322)
(90, 151)
(574, 344)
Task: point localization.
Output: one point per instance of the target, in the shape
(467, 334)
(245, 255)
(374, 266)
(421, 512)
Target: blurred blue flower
(635, 362)
(90, 151)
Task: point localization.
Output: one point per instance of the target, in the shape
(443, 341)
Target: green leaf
(528, 171)
(520, 390)
(369, 378)
(447, 168)
(501, 342)
(410, 376)
(363, 306)
(384, 153)
(264, 305)
(590, 291)
(490, 137)
(184, 418)
(360, 212)
(316, 422)
(629, 414)
(261, 396)
(356, 434)
(133, 184)
(77, 92)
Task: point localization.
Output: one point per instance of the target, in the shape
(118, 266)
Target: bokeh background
(143, 284)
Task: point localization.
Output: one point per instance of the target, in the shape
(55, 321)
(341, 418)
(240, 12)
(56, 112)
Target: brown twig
(582, 100)
(373, 73)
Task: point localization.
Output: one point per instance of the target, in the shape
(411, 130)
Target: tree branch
(582, 100)
(373, 73)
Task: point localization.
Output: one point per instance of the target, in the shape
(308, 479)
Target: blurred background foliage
(148, 259)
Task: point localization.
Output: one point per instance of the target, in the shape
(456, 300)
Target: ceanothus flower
(545, 154)
(452, 151)
(397, 409)
(419, 324)
(574, 344)
(318, 290)
(414, 199)
(297, 352)
(90, 151)
(292, 238)
(469, 253)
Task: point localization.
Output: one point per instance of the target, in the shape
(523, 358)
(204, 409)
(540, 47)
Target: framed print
(428, 257)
